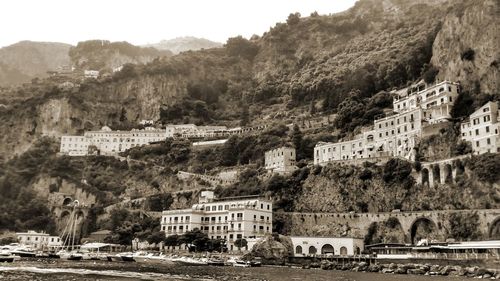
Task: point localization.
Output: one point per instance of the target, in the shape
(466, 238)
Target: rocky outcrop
(273, 249)
(409, 268)
(475, 29)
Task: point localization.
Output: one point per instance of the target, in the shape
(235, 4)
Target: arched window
(298, 250)
(312, 250)
(343, 251)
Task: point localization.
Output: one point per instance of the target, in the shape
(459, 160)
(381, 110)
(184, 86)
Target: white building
(225, 218)
(91, 74)
(108, 142)
(38, 241)
(482, 128)
(281, 160)
(397, 134)
(337, 246)
(193, 131)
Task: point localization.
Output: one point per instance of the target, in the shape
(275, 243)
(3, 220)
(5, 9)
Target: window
(488, 141)
(486, 109)
(486, 118)
(477, 132)
(477, 143)
(487, 129)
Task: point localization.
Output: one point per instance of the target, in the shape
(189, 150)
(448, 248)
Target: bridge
(358, 224)
(441, 171)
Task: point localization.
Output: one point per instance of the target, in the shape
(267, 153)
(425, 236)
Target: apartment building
(109, 142)
(481, 129)
(38, 241)
(280, 160)
(225, 218)
(396, 134)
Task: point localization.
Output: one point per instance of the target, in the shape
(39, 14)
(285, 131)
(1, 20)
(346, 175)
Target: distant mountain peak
(185, 43)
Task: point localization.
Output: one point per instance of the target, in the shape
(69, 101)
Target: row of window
(405, 119)
(477, 131)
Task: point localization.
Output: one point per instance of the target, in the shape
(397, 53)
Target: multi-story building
(193, 131)
(225, 218)
(38, 241)
(108, 142)
(396, 134)
(481, 129)
(280, 160)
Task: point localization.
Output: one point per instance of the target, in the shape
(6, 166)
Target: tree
(297, 139)
(293, 19)
(172, 240)
(240, 243)
(156, 237)
(241, 47)
(397, 171)
(464, 226)
(244, 115)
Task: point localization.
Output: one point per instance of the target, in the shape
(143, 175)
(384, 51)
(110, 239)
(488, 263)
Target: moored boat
(70, 255)
(189, 261)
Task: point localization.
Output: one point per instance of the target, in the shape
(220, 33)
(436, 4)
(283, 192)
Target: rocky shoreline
(411, 268)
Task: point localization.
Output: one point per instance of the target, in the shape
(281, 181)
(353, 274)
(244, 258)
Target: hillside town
(349, 140)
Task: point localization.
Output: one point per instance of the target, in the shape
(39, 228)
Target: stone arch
(67, 201)
(436, 174)
(422, 228)
(397, 233)
(298, 250)
(343, 251)
(312, 250)
(448, 173)
(64, 214)
(494, 231)
(327, 249)
(425, 176)
(80, 215)
(459, 170)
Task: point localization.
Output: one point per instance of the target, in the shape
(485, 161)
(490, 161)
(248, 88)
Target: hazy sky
(148, 21)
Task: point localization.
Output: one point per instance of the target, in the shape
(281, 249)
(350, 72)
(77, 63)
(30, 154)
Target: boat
(69, 251)
(23, 252)
(114, 258)
(70, 255)
(127, 256)
(241, 263)
(6, 256)
(215, 261)
(256, 262)
(237, 262)
(150, 257)
(189, 261)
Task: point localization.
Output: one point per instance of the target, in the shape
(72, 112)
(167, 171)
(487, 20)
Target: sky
(148, 21)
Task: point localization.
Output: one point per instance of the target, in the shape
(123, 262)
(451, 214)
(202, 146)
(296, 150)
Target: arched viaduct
(441, 172)
(358, 224)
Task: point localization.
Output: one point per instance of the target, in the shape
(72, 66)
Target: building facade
(38, 241)
(226, 218)
(280, 160)
(396, 134)
(109, 142)
(192, 131)
(482, 128)
(336, 246)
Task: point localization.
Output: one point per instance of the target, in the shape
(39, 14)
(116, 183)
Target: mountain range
(25, 60)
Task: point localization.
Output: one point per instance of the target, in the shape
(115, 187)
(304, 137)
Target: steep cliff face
(467, 46)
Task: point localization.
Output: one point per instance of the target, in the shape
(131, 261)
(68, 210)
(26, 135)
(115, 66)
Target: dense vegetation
(97, 54)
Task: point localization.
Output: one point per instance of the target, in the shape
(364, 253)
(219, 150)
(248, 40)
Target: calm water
(51, 270)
